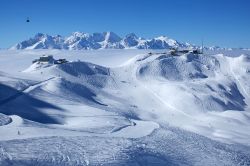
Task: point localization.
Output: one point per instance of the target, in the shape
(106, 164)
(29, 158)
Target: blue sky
(219, 22)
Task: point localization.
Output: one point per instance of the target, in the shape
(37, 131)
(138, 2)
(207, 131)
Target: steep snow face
(97, 37)
(105, 40)
(161, 42)
(75, 37)
(78, 41)
(111, 37)
(157, 44)
(111, 41)
(41, 41)
(131, 40)
(81, 80)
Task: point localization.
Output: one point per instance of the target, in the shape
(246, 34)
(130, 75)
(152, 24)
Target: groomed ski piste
(125, 107)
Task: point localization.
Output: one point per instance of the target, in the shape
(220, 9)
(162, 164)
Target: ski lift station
(49, 59)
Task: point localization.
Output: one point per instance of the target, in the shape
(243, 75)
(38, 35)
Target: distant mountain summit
(41, 41)
(105, 40)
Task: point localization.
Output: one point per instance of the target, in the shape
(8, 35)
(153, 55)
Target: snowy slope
(197, 93)
(125, 107)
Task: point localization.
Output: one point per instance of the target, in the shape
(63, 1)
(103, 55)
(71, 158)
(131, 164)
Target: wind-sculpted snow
(79, 79)
(26, 106)
(83, 68)
(173, 68)
(194, 74)
(152, 109)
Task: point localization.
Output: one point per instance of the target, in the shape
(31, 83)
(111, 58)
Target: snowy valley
(123, 106)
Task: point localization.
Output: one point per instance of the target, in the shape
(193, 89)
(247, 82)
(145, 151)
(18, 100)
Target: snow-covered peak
(75, 36)
(105, 40)
(41, 41)
(170, 42)
(131, 40)
(111, 37)
(40, 35)
(97, 37)
(131, 35)
(79, 34)
(162, 38)
(45, 37)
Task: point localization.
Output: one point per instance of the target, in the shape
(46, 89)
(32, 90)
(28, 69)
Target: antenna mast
(202, 46)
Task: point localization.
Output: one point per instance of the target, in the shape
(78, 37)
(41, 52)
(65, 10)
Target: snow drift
(203, 80)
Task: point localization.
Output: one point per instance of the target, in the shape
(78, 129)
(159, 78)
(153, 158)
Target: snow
(105, 40)
(124, 107)
(4, 120)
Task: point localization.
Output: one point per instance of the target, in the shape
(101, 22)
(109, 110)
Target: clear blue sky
(220, 22)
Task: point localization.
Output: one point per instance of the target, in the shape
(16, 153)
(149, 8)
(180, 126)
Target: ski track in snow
(21, 92)
(175, 147)
(164, 102)
(117, 116)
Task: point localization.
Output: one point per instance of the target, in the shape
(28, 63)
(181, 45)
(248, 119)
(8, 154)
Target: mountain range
(105, 40)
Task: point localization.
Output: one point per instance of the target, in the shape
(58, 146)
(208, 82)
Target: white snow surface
(125, 107)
